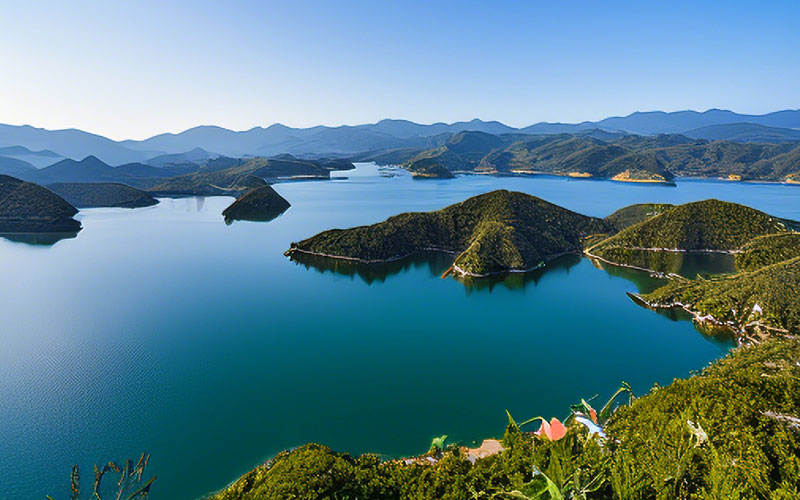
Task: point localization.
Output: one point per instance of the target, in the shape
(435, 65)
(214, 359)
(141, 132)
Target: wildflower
(553, 431)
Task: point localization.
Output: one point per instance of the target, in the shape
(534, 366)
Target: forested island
(259, 204)
(496, 232)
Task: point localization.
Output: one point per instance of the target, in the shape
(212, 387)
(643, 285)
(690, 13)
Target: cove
(164, 330)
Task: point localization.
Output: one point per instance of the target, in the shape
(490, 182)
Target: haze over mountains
(41, 147)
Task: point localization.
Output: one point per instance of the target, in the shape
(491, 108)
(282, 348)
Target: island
(29, 208)
(259, 204)
(102, 194)
(496, 232)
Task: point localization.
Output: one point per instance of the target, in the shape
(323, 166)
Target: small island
(102, 194)
(496, 232)
(29, 208)
(260, 204)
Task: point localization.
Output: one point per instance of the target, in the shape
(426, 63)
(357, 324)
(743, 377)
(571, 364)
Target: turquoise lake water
(165, 330)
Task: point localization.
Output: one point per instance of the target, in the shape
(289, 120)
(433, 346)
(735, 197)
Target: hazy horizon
(137, 70)
(264, 126)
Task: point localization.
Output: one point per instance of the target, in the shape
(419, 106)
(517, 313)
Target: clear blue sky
(131, 69)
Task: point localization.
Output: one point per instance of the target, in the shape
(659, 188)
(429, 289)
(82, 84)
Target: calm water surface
(164, 330)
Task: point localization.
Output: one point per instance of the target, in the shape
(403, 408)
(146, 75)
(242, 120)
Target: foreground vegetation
(730, 432)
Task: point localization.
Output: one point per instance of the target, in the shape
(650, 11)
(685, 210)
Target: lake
(165, 330)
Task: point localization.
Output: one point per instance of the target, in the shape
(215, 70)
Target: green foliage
(491, 233)
(634, 214)
(767, 250)
(128, 483)
(755, 301)
(437, 444)
(657, 158)
(709, 225)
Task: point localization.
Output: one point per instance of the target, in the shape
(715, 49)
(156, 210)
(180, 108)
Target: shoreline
(741, 334)
(455, 270)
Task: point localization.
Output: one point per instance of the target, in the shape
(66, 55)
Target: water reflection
(38, 239)
(263, 216)
(687, 264)
(519, 281)
(436, 262)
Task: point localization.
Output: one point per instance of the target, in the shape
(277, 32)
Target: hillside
(105, 194)
(259, 204)
(495, 232)
(754, 304)
(30, 208)
(702, 226)
(629, 158)
(767, 250)
(634, 214)
(728, 432)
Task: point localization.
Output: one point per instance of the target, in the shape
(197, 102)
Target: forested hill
(699, 226)
(598, 154)
(30, 208)
(495, 232)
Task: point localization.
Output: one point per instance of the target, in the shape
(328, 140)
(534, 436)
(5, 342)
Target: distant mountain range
(40, 147)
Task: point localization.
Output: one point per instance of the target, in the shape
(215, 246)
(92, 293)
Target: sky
(133, 69)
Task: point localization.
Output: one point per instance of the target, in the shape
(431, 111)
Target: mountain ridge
(349, 139)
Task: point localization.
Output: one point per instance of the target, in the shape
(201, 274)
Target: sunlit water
(164, 330)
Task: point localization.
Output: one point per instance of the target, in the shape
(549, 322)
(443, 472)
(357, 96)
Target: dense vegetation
(102, 194)
(751, 303)
(730, 432)
(259, 204)
(709, 225)
(657, 158)
(494, 232)
(767, 250)
(634, 214)
(30, 208)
